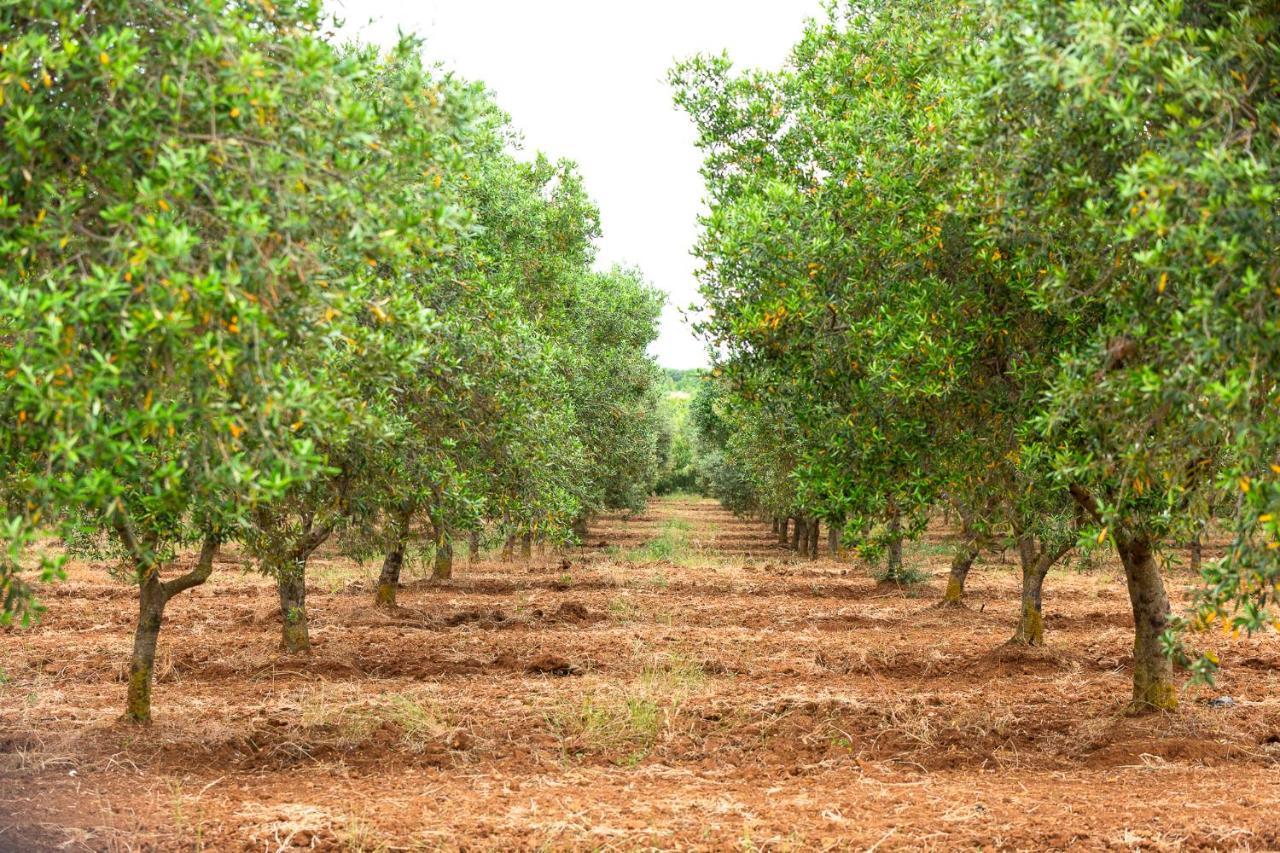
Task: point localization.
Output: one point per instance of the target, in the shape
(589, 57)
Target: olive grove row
(257, 287)
(1017, 257)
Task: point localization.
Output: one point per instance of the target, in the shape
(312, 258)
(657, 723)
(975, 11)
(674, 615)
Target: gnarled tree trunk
(1153, 686)
(961, 563)
(292, 586)
(389, 578)
(1036, 560)
(153, 595)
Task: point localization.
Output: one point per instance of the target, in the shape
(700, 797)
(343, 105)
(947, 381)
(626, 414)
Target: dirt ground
(681, 682)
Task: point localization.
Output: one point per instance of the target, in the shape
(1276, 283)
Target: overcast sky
(585, 79)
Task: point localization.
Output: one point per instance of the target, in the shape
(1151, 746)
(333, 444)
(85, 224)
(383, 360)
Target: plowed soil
(721, 693)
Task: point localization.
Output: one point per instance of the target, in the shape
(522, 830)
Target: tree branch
(199, 574)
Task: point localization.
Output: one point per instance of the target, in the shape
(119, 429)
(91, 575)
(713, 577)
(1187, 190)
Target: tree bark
(796, 524)
(813, 539)
(833, 541)
(153, 595)
(1153, 686)
(291, 583)
(389, 579)
(961, 563)
(1031, 614)
(473, 546)
(1197, 554)
(775, 525)
(894, 572)
(802, 545)
(509, 549)
(442, 570)
(151, 602)
(526, 547)
(783, 523)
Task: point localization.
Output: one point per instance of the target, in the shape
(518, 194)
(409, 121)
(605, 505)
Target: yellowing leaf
(104, 58)
(1102, 534)
(1163, 283)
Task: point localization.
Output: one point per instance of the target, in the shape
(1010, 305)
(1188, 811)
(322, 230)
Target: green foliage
(257, 287)
(1019, 253)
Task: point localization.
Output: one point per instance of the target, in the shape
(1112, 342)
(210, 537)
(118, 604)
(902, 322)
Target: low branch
(199, 574)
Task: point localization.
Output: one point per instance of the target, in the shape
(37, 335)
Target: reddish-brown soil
(735, 697)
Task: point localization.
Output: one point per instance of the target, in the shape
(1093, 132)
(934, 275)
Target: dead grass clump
(624, 722)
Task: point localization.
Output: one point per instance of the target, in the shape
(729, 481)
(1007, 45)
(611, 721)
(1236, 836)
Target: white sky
(586, 80)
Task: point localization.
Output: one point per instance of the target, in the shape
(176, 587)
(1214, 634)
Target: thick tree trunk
(802, 546)
(153, 595)
(783, 523)
(509, 549)
(291, 583)
(526, 547)
(813, 539)
(961, 563)
(389, 579)
(1153, 686)
(151, 602)
(796, 524)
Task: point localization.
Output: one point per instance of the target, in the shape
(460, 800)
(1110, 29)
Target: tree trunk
(1035, 565)
(796, 524)
(894, 572)
(509, 549)
(1197, 554)
(526, 547)
(833, 541)
(783, 523)
(961, 563)
(802, 546)
(813, 539)
(443, 568)
(1153, 687)
(291, 583)
(153, 595)
(389, 579)
(775, 525)
(581, 530)
(473, 546)
(151, 602)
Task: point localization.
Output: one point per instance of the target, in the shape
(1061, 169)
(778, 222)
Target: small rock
(1221, 702)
